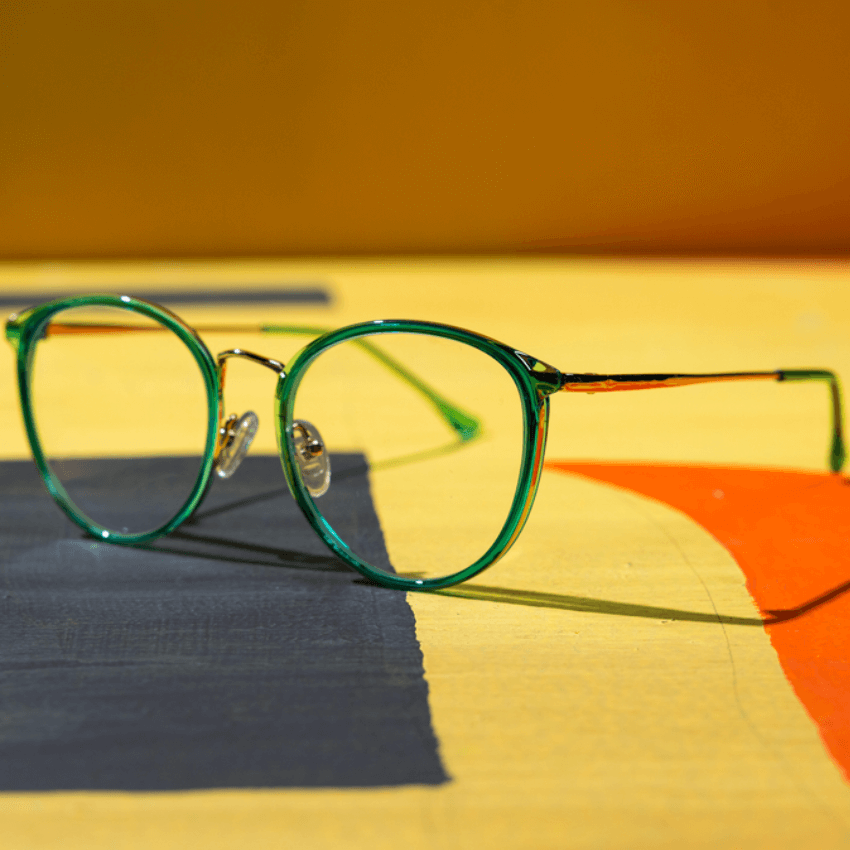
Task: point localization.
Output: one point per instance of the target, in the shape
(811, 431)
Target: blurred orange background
(153, 128)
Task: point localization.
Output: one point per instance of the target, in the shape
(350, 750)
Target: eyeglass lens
(431, 429)
(121, 415)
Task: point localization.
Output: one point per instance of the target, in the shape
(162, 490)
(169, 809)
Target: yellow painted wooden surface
(563, 721)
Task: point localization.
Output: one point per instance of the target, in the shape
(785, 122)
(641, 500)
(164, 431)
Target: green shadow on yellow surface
(591, 606)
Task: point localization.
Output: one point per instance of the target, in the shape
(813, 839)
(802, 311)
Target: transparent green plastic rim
(25, 329)
(534, 386)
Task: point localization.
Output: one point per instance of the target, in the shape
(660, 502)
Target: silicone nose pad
(238, 434)
(314, 462)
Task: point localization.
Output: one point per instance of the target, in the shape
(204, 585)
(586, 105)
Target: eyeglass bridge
(236, 434)
(224, 356)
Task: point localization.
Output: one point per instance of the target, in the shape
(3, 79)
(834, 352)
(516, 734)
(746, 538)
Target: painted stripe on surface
(237, 653)
(789, 533)
(306, 293)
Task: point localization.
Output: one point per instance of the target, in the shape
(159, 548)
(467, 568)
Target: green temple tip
(467, 427)
(837, 454)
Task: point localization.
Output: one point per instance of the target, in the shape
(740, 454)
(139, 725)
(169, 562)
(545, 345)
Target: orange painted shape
(790, 534)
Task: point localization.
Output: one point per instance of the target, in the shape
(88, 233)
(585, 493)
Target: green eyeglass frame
(535, 381)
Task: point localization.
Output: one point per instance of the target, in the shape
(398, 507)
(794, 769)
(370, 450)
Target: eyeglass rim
(24, 329)
(534, 380)
(533, 388)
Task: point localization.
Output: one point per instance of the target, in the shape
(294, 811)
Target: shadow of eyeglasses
(226, 550)
(196, 545)
(626, 609)
(589, 605)
(273, 557)
(191, 544)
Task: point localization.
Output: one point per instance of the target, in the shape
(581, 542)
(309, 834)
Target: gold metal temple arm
(592, 383)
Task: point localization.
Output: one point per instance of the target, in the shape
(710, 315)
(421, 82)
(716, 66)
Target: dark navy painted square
(236, 653)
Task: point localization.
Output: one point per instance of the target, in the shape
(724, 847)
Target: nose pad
(236, 436)
(314, 462)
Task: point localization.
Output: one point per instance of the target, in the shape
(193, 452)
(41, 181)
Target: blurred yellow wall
(177, 127)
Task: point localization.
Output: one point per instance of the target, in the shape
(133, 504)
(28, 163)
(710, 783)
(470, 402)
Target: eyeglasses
(413, 449)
